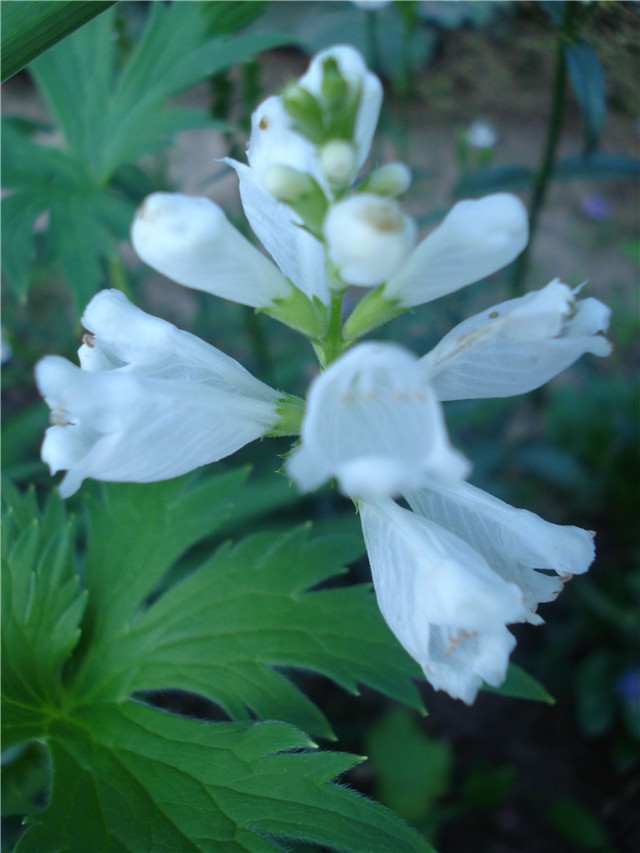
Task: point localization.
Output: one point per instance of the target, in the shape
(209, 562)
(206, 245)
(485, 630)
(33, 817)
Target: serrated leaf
(129, 778)
(222, 631)
(520, 685)
(136, 532)
(42, 605)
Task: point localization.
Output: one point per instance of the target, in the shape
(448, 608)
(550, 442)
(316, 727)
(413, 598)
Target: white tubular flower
(518, 345)
(297, 253)
(190, 240)
(514, 542)
(441, 599)
(477, 238)
(368, 238)
(373, 422)
(150, 401)
(354, 70)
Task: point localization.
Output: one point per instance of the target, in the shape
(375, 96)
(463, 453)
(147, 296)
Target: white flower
(298, 254)
(373, 422)
(518, 345)
(441, 599)
(149, 402)
(514, 542)
(477, 238)
(354, 70)
(481, 134)
(191, 241)
(368, 238)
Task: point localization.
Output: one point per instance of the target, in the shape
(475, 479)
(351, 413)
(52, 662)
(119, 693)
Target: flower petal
(441, 600)
(373, 423)
(131, 428)
(514, 542)
(122, 335)
(518, 345)
(190, 240)
(298, 254)
(368, 238)
(476, 238)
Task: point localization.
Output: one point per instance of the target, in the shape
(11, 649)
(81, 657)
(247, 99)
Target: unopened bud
(287, 184)
(368, 238)
(394, 180)
(301, 192)
(338, 162)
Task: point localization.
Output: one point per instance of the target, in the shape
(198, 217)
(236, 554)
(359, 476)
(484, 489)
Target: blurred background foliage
(146, 96)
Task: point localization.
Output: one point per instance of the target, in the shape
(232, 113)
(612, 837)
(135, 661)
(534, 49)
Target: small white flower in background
(481, 134)
(374, 424)
(149, 401)
(441, 599)
(368, 238)
(518, 345)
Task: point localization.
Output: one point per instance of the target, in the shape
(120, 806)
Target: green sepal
(305, 112)
(305, 195)
(290, 411)
(308, 316)
(341, 102)
(372, 311)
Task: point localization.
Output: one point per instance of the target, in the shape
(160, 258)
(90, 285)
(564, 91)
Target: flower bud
(287, 184)
(394, 179)
(368, 238)
(338, 162)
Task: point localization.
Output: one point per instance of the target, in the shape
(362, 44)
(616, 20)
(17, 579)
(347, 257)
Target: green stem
(117, 277)
(332, 345)
(547, 165)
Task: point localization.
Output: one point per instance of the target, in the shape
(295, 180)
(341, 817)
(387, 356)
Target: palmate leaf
(130, 777)
(224, 630)
(42, 605)
(248, 609)
(109, 116)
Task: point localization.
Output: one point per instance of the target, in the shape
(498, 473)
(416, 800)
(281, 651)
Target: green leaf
(587, 81)
(413, 769)
(42, 605)
(109, 117)
(600, 165)
(520, 685)
(129, 778)
(224, 630)
(24, 778)
(494, 179)
(578, 824)
(30, 28)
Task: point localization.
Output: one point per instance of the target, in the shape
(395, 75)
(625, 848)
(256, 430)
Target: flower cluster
(454, 566)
